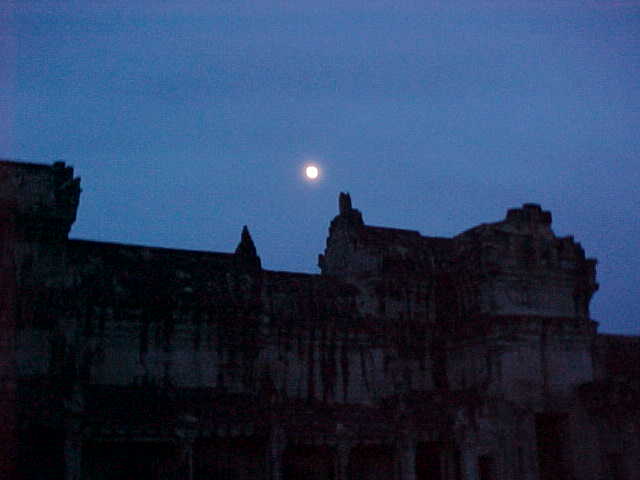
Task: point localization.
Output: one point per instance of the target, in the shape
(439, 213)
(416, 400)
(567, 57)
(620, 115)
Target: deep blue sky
(187, 122)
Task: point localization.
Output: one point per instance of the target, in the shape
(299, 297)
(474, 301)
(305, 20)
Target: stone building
(407, 358)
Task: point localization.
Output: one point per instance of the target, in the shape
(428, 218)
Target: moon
(312, 172)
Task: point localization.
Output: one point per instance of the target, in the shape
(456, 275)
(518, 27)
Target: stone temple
(408, 357)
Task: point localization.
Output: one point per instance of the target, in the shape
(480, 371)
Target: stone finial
(246, 247)
(344, 203)
(246, 250)
(347, 216)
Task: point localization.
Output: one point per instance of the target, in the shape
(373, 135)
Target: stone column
(188, 460)
(275, 449)
(186, 433)
(73, 451)
(407, 453)
(73, 435)
(343, 450)
(469, 463)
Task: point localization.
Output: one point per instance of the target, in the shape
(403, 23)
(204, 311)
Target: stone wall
(408, 357)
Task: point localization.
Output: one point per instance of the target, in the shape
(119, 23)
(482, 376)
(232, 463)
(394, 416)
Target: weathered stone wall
(37, 207)
(408, 357)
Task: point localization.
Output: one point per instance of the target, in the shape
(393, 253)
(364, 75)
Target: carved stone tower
(37, 208)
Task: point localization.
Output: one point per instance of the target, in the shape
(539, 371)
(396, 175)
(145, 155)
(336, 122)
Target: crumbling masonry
(407, 358)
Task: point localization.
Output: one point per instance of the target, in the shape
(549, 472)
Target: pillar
(407, 453)
(469, 463)
(186, 433)
(343, 451)
(73, 449)
(187, 449)
(275, 449)
(74, 407)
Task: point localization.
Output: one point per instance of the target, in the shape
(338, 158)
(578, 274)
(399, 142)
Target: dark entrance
(550, 433)
(429, 460)
(486, 468)
(372, 462)
(230, 459)
(128, 460)
(309, 463)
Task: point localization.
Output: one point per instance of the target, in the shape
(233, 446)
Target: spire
(347, 213)
(344, 203)
(246, 253)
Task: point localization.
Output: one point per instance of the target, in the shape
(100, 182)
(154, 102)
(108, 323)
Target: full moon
(311, 172)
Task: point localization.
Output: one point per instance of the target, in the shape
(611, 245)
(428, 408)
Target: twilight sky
(188, 121)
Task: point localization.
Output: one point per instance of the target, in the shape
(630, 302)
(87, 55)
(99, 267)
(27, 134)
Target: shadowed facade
(407, 358)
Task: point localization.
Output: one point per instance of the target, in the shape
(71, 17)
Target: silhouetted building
(408, 358)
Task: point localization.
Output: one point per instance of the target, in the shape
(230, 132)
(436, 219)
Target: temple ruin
(408, 357)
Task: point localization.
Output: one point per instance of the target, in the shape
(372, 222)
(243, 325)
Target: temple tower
(38, 205)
